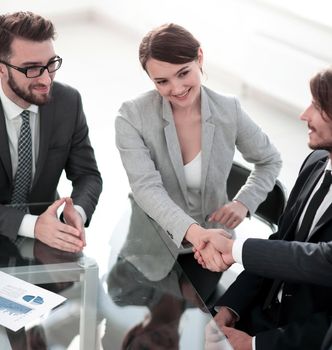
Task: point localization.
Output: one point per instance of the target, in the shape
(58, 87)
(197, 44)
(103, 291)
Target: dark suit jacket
(64, 145)
(309, 262)
(305, 312)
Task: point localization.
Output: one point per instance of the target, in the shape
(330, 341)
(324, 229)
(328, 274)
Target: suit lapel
(297, 208)
(207, 138)
(4, 146)
(173, 146)
(46, 122)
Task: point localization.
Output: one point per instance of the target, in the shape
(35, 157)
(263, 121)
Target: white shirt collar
(329, 165)
(11, 109)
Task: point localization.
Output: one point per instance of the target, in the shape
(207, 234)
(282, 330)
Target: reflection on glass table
(145, 310)
(73, 275)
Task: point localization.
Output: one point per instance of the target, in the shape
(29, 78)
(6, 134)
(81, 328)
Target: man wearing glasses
(43, 131)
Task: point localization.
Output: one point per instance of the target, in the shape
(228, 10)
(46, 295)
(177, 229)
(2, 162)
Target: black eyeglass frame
(41, 68)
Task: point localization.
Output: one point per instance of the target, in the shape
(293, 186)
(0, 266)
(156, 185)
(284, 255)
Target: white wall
(45, 7)
(263, 45)
(266, 45)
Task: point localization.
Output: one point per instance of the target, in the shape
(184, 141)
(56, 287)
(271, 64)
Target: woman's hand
(230, 215)
(222, 242)
(210, 256)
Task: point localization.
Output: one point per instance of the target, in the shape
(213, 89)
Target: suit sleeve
(10, 221)
(256, 148)
(81, 167)
(309, 262)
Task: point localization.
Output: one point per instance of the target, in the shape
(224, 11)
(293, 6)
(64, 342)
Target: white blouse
(193, 176)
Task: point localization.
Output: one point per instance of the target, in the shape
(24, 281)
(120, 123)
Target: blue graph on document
(13, 308)
(36, 300)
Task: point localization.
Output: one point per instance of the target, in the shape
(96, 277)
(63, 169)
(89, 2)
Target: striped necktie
(22, 180)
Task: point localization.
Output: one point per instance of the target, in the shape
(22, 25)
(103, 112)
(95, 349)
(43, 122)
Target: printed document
(22, 302)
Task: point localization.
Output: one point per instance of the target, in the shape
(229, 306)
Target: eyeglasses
(37, 71)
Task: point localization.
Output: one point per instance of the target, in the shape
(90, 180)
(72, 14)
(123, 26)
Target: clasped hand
(68, 236)
(214, 251)
(212, 247)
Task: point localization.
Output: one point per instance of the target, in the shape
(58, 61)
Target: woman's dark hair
(169, 43)
(24, 25)
(321, 91)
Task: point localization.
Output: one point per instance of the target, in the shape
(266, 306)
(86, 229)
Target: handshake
(213, 250)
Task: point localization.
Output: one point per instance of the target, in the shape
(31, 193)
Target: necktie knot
(25, 116)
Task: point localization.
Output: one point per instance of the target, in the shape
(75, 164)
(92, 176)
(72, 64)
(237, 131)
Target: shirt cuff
(237, 250)
(27, 228)
(81, 212)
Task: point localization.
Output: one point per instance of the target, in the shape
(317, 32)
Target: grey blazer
(149, 148)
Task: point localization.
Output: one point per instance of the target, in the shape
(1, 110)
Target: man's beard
(27, 96)
(326, 147)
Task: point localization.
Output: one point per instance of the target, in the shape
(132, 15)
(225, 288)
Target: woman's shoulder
(217, 101)
(143, 100)
(217, 95)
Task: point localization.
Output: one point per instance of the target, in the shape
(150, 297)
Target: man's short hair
(24, 25)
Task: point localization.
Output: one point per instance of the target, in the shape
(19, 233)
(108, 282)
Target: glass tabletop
(149, 309)
(142, 300)
(74, 276)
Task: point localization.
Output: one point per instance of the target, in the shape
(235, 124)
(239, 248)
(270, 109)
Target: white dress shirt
(193, 176)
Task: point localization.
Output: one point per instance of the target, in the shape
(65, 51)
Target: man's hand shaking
(222, 242)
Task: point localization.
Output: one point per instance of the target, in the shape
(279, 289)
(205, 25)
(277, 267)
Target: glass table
(143, 310)
(138, 301)
(60, 272)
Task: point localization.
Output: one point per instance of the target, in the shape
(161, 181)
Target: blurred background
(263, 51)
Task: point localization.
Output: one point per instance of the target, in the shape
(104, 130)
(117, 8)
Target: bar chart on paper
(22, 302)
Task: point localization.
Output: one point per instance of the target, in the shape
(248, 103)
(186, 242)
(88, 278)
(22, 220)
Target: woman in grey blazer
(177, 145)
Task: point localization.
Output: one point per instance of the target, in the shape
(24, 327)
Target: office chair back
(270, 210)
